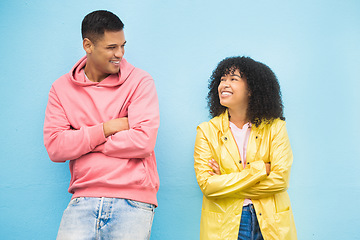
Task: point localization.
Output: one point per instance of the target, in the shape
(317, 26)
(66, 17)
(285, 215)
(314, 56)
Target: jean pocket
(75, 201)
(141, 205)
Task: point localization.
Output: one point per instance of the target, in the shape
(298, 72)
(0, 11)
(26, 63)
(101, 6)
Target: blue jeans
(249, 225)
(106, 218)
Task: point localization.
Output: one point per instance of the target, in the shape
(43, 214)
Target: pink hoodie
(122, 165)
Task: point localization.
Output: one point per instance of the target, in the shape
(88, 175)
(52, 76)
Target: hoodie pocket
(136, 171)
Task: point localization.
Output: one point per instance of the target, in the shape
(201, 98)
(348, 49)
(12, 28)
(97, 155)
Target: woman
(243, 156)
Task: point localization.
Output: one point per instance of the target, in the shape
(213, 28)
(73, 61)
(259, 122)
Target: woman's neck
(238, 117)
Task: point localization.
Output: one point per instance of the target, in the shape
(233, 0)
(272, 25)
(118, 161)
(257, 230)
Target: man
(103, 117)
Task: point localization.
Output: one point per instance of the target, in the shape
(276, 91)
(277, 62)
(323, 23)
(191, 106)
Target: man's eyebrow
(114, 44)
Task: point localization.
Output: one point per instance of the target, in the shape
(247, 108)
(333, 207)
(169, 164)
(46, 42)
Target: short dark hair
(265, 103)
(96, 23)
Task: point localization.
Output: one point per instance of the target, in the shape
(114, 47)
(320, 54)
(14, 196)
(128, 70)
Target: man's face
(104, 56)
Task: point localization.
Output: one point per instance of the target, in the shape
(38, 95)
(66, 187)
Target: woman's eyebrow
(235, 75)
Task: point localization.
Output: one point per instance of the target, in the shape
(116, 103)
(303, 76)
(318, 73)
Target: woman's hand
(268, 168)
(215, 166)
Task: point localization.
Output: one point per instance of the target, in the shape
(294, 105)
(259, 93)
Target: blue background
(312, 46)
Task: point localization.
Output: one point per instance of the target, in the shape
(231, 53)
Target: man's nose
(119, 53)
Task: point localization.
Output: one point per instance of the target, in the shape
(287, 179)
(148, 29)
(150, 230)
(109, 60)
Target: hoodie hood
(77, 75)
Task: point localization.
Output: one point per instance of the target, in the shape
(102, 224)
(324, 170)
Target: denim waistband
(249, 208)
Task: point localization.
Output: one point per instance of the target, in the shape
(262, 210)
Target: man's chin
(114, 71)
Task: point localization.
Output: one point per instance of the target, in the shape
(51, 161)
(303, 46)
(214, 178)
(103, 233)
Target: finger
(214, 167)
(214, 162)
(211, 163)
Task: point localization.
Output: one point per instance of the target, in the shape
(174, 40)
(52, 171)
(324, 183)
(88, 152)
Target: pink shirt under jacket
(241, 136)
(122, 165)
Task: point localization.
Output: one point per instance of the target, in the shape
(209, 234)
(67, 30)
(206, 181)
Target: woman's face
(233, 91)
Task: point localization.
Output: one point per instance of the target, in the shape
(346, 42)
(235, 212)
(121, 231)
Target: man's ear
(88, 45)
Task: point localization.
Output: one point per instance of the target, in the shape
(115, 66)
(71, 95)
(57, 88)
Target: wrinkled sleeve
(143, 116)
(224, 185)
(281, 159)
(61, 141)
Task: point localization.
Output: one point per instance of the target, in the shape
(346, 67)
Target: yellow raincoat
(224, 194)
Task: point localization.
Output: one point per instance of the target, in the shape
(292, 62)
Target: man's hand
(115, 125)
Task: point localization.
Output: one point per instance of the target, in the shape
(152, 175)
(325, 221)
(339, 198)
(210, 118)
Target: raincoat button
(256, 137)
(247, 163)
(225, 138)
(240, 161)
(260, 214)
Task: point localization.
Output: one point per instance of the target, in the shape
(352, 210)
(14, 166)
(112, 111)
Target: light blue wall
(313, 47)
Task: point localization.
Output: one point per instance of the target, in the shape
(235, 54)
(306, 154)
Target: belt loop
(252, 209)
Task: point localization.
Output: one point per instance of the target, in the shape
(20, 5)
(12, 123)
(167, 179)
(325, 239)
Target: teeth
(226, 93)
(115, 62)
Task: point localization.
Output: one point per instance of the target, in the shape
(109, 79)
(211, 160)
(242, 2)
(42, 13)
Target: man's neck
(93, 76)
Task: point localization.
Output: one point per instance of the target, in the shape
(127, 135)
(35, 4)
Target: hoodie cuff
(96, 134)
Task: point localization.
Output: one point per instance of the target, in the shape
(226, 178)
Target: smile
(226, 93)
(115, 61)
